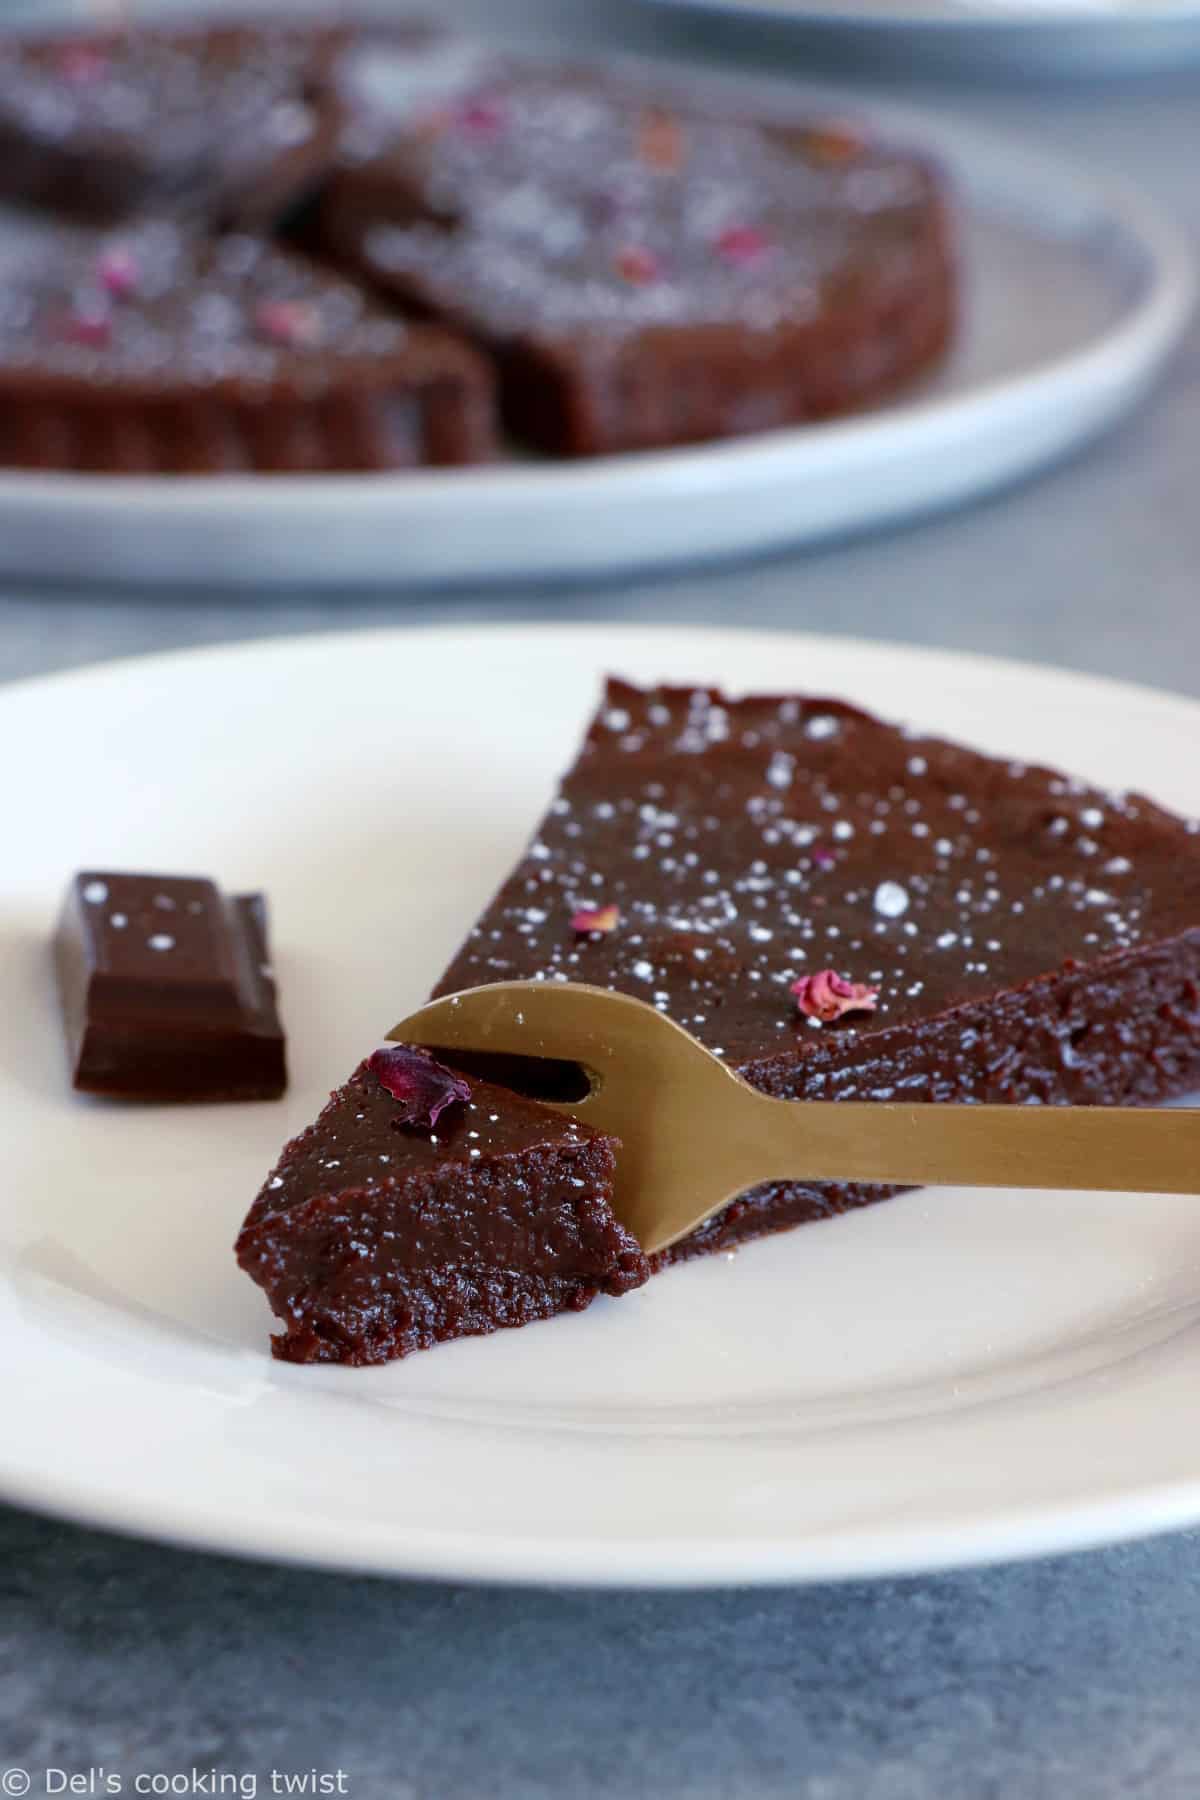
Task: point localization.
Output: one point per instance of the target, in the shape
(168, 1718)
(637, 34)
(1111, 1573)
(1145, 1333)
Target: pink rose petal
(743, 244)
(118, 272)
(595, 918)
(81, 62)
(91, 328)
(422, 1086)
(481, 117)
(637, 265)
(290, 322)
(826, 996)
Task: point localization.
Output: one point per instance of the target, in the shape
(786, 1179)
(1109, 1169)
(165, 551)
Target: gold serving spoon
(695, 1134)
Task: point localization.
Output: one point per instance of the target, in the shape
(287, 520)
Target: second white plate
(1029, 37)
(1075, 295)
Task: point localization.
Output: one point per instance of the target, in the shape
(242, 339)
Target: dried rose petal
(834, 143)
(422, 1086)
(292, 322)
(81, 62)
(742, 244)
(481, 117)
(87, 326)
(118, 272)
(660, 141)
(595, 918)
(826, 996)
(822, 858)
(637, 265)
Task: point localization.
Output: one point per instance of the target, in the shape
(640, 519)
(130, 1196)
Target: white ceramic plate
(1031, 37)
(951, 1377)
(1075, 294)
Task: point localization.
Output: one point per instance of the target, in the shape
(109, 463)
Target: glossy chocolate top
(361, 1140)
(170, 950)
(748, 843)
(158, 309)
(545, 198)
(182, 118)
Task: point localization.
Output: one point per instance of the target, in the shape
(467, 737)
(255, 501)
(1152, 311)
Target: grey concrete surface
(1068, 1680)
(1078, 1677)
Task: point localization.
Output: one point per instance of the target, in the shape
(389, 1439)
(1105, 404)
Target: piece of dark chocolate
(166, 989)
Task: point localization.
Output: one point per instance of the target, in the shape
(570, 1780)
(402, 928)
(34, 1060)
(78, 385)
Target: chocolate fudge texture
(374, 1236)
(648, 268)
(1032, 938)
(167, 991)
(229, 123)
(150, 348)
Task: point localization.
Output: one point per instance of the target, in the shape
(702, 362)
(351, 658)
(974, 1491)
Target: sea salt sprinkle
(891, 900)
(821, 725)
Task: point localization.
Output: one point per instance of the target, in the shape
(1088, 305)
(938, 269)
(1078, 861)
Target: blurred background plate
(1074, 295)
(986, 37)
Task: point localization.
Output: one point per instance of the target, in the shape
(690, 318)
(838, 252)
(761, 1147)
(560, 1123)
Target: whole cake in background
(645, 273)
(610, 264)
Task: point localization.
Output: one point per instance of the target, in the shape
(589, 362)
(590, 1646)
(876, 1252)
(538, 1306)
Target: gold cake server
(695, 1134)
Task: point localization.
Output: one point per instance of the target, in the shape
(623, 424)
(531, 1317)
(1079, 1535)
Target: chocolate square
(166, 989)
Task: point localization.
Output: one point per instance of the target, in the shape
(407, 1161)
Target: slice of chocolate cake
(421, 1207)
(1020, 936)
(648, 267)
(151, 349)
(840, 907)
(229, 123)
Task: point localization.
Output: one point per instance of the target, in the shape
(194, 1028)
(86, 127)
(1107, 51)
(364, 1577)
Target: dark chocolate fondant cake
(149, 348)
(644, 272)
